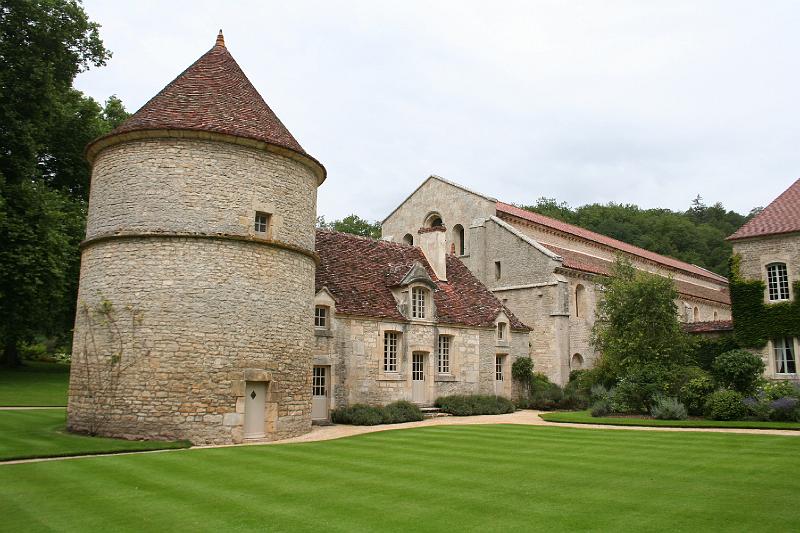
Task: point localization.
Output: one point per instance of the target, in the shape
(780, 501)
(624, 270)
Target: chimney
(433, 242)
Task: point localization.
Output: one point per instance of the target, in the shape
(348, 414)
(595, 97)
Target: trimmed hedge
(475, 404)
(367, 415)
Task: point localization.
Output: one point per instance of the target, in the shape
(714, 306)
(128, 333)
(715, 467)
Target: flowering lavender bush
(785, 409)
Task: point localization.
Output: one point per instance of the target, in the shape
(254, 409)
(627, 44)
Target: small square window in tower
(262, 222)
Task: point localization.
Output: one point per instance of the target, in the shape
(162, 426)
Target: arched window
(777, 281)
(458, 238)
(715, 316)
(696, 314)
(577, 362)
(580, 300)
(433, 220)
(409, 239)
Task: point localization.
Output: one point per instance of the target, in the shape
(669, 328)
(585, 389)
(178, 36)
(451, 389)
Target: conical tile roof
(781, 216)
(212, 95)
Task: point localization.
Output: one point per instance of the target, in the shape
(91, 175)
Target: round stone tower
(195, 307)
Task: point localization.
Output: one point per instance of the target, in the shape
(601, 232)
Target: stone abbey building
(210, 308)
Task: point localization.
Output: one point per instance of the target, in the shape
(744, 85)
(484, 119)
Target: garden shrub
(738, 370)
(725, 404)
(758, 408)
(773, 390)
(358, 415)
(668, 408)
(784, 409)
(695, 393)
(401, 411)
(636, 391)
(704, 350)
(574, 396)
(544, 395)
(475, 404)
(601, 408)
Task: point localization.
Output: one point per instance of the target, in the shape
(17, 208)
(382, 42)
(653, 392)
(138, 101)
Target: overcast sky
(636, 102)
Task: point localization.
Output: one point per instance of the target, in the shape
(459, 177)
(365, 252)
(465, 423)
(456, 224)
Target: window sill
(444, 377)
(323, 333)
(390, 377)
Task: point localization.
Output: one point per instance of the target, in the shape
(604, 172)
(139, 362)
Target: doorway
(418, 378)
(499, 375)
(320, 393)
(255, 401)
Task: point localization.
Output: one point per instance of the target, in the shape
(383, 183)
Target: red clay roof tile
(508, 209)
(708, 327)
(212, 95)
(360, 273)
(781, 216)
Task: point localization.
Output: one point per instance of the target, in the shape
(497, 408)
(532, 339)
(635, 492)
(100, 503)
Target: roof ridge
(530, 215)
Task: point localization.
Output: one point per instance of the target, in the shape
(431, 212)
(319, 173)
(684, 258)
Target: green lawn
(40, 433)
(35, 384)
(585, 417)
(446, 478)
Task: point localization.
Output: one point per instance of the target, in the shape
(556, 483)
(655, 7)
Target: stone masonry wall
(356, 353)
(755, 255)
(215, 312)
(210, 311)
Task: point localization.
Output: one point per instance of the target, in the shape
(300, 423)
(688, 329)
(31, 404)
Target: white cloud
(648, 103)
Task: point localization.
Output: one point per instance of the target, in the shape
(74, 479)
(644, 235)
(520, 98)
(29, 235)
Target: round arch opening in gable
(576, 363)
(458, 239)
(408, 239)
(580, 300)
(433, 220)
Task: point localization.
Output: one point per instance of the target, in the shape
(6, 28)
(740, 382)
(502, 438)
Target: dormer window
(261, 222)
(418, 302)
(321, 317)
(502, 333)
(777, 282)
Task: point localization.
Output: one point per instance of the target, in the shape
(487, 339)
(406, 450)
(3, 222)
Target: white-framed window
(498, 367)
(502, 332)
(785, 362)
(318, 386)
(321, 317)
(777, 282)
(418, 302)
(390, 341)
(261, 222)
(443, 354)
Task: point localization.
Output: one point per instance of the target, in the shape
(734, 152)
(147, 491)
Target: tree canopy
(44, 179)
(352, 224)
(696, 235)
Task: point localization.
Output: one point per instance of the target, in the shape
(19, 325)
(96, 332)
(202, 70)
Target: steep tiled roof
(212, 95)
(360, 273)
(781, 216)
(508, 209)
(595, 265)
(708, 327)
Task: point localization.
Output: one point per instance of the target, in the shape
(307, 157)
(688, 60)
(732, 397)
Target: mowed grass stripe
(458, 477)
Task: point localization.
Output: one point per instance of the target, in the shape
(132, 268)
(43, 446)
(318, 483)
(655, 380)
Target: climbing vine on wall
(755, 322)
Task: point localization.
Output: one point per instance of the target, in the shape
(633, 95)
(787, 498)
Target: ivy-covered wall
(755, 321)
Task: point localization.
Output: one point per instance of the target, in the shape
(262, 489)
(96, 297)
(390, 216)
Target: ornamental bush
(784, 410)
(667, 408)
(738, 370)
(773, 390)
(401, 411)
(695, 393)
(601, 408)
(725, 404)
(474, 404)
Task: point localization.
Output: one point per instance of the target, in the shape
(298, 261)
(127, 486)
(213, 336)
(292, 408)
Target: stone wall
(756, 254)
(355, 352)
(170, 235)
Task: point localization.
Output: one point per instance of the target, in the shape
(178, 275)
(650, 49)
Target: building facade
(767, 248)
(544, 270)
(399, 322)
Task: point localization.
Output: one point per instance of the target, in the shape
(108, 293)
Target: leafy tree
(44, 125)
(637, 322)
(352, 224)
